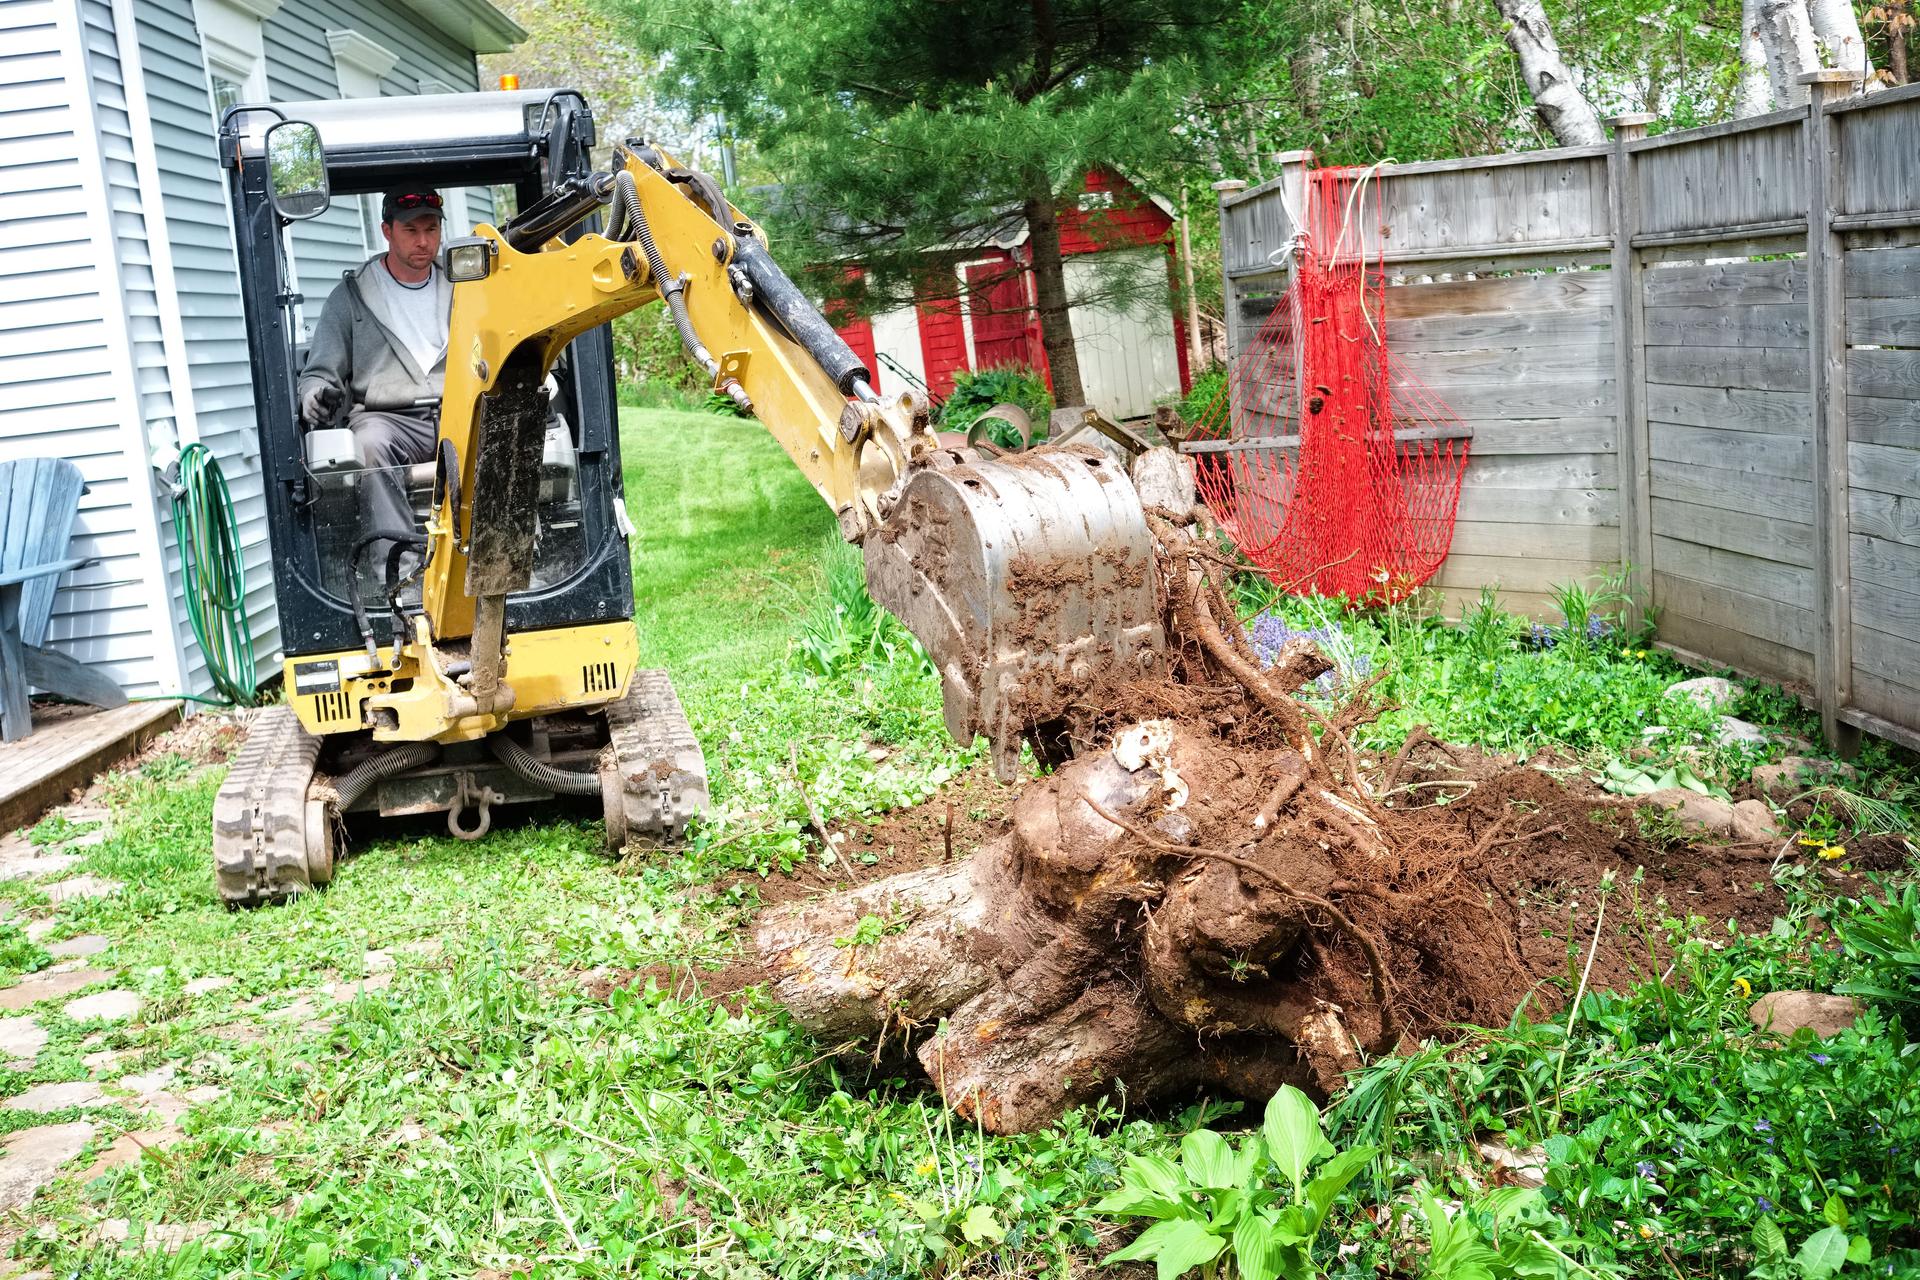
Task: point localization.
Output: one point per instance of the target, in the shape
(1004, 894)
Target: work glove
(319, 404)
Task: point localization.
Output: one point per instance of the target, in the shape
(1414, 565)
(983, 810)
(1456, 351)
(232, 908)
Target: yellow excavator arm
(1026, 577)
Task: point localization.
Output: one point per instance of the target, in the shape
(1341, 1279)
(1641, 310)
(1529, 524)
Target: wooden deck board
(68, 748)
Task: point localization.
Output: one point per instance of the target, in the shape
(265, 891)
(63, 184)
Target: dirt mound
(1218, 889)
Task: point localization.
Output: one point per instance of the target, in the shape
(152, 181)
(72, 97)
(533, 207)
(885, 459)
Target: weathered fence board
(1731, 408)
(1736, 399)
(1751, 533)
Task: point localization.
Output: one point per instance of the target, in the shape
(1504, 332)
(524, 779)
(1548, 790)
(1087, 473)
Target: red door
(997, 305)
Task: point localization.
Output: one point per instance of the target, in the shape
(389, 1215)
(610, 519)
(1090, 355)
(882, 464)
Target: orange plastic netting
(1338, 474)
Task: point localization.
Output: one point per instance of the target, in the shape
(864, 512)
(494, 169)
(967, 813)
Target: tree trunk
(1755, 94)
(1787, 34)
(1899, 23)
(1050, 289)
(1837, 28)
(1562, 108)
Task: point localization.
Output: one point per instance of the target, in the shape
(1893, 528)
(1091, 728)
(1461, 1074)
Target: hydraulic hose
(214, 573)
(672, 288)
(565, 782)
(385, 765)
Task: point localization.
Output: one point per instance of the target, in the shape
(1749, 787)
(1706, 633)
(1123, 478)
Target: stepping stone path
(129, 1147)
(87, 886)
(101, 1061)
(87, 944)
(108, 1006)
(348, 990)
(201, 986)
(158, 1235)
(46, 1098)
(39, 929)
(33, 1156)
(150, 1081)
(22, 1038)
(27, 866)
(36, 987)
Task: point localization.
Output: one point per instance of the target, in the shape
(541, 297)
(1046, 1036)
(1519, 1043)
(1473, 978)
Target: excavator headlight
(470, 258)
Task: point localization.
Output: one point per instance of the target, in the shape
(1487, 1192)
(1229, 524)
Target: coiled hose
(563, 782)
(354, 783)
(214, 573)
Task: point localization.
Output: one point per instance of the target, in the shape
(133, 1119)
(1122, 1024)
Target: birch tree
(1557, 99)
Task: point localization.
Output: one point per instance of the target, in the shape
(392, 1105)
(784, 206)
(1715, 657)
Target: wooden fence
(1696, 354)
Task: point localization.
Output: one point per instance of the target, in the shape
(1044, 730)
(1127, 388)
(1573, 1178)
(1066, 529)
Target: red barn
(1130, 358)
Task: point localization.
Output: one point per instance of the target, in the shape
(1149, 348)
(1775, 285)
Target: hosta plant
(1248, 1212)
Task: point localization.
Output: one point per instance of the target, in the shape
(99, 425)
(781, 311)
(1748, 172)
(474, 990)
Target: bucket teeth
(261, 826)
(661, 770)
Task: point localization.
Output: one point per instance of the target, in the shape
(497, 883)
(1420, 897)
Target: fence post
(1827, 363)
(1629, 385)
(1223, 191)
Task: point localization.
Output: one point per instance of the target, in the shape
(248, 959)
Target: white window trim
(429, 85)
(231, 41)
(360, 62)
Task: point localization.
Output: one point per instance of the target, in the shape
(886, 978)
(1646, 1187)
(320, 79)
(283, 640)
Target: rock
(87, 886)
(1526, 1168)
(129, 1147)
(50, 986)
(87, 944)
(150, 1081)
(108, 1006)
(1795, 775)
(379, 961)
(34, 1156)
(1732, 733)
(1710, 693)
(1753, 821)
(101, 1061)
(38, 929)
(1785, 1012)
(1695, 811)
(21, 1037)
(201, 986)
(46, 1098)
(28, 866)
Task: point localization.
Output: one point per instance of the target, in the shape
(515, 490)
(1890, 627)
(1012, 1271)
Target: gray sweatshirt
(354, 348)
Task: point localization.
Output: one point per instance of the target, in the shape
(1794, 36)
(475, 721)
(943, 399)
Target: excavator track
(270, 840)
(654, 779)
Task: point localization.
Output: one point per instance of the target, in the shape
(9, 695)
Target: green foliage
(651, 363)
(1199, 404)
(1223, 1202)
(1884, 935)
(976, 391)
(844, 630)
(19, 954)
(1668, 1124)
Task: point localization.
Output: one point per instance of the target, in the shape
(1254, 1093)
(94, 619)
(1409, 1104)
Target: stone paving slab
(33, 1156)
(22, 1037)
(129, 1147)
(87, 944)
(108, 1006)
(28, 866)
(201, 986)
(83, 886)
(48, 1098)
(36, 987)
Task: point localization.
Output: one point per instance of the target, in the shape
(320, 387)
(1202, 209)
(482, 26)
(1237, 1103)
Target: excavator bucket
(1029, 580)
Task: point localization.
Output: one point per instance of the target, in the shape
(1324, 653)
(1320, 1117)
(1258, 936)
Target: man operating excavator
(381, 348)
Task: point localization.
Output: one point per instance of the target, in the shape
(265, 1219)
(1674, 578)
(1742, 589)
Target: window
(230, 39)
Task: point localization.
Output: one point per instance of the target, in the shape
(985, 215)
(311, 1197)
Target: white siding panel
(896, 336)
(1128, 358)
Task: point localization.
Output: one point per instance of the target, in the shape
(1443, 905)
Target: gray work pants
(389, 440)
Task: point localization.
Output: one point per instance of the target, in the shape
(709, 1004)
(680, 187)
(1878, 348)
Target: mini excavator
(496, 664)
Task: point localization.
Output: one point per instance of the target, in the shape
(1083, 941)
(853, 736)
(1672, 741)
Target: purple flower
(1763, 1204)
(1820, 1059)
(1763, 1125)
(1646, 1170)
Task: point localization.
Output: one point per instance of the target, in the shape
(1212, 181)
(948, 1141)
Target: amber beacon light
(509, 82)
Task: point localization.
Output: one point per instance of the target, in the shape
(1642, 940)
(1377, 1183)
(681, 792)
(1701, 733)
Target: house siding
(78, 320)
(121, 327)
(300, 67)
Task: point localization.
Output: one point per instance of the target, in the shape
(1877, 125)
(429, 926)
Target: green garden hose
(214, 573)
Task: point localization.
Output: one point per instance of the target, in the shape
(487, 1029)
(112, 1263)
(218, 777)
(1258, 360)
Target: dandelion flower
(1833, 851)
(1746, 988)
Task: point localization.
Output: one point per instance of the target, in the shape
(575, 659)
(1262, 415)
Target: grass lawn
(421, 1072)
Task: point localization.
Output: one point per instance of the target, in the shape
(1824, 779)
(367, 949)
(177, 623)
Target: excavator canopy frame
(525, 141)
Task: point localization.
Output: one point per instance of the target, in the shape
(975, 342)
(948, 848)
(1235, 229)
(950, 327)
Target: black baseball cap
(404, 204)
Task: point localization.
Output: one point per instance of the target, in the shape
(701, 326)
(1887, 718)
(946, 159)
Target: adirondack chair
(39, 498)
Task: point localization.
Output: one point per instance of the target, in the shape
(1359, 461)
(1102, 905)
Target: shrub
(976, 391)
(1209, 385)
(651, 365)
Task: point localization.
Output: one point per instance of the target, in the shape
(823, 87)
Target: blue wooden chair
(39, 498)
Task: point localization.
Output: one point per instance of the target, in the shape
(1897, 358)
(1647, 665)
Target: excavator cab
(485, 654)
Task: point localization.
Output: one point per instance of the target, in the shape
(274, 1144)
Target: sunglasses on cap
(416, 200)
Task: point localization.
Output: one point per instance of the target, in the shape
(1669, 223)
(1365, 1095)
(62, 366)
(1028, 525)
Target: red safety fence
(1331, 476)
